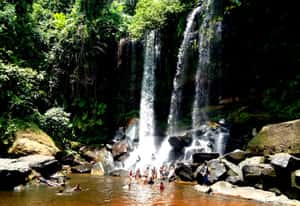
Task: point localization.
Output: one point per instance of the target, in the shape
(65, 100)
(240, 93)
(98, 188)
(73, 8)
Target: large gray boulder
(225, 188)
(216, 170)
(14, 172)
(234, 171)
(277, 138)
(258, 171)
(45, 165)
(252, 161)
(184, 172)
(236, 156)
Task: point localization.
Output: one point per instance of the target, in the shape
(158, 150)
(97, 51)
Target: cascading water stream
(209, 35)
(209, 139)
(142, 155)
(176, 98)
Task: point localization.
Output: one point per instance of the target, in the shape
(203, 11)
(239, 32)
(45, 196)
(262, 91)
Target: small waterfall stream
(209, 35)
(176, 98)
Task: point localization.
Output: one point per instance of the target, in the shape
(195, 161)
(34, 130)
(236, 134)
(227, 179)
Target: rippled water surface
(114, 191)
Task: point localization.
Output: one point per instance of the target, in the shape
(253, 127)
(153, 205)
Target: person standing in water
(205, 173)
(161, 186)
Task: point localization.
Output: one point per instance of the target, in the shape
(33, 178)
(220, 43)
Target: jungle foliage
(58, 60)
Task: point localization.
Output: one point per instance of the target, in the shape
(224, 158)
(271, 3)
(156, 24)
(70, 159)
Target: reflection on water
(115, 192)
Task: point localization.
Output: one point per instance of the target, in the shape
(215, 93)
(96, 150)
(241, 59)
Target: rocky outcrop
(33, 141)
(102, 156)
(216, 169)
(278, 173)
(236, 156)
(84, 168)
(259, 174)
(179, 142)
(225, 188)
(97, 169)
(45, 165)
(277, 138)
(14, 172)
(252, 161)
(120, 149)
(184, 172)
(235, 174)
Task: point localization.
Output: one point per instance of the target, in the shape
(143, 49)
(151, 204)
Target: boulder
(85, 168)
(261, 174)
(179, 142)
(202, 157)
(236, 180)
(184, 172)
(98, 169)
(119, 149)
(258, 171)
(202, 188)
(285, 160)
(277, 138)
(236, 170)
(198, 174)
(14, 172)
(252, 161)
(236, 156)
(99, 155)
(216, 170)
(225, 188)
(105, 157)
(33, 141)
(296, 179)
(72, 159)
(132, 129)
(45, 165)
(119, 173)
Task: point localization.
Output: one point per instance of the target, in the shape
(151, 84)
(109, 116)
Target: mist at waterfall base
(201, 135)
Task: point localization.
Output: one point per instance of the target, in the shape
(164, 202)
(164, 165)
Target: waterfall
(145, 150)
(205, 137)
(176, 97)
(209, 36)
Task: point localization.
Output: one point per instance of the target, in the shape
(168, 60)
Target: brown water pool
(114, 191)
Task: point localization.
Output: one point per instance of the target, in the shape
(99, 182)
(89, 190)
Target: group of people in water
(151, 174)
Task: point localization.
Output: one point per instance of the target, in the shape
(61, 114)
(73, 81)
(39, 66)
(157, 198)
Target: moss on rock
(32, 141)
